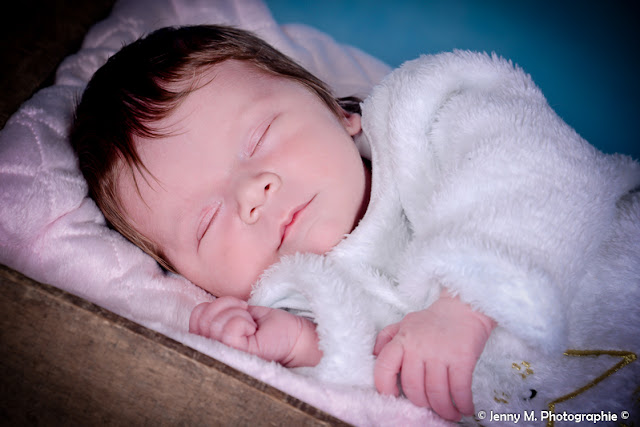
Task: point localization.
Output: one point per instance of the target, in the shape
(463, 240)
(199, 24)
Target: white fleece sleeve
(507, 203)
(313, 286)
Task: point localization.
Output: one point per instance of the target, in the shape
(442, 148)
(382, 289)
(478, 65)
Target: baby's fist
(227, 319)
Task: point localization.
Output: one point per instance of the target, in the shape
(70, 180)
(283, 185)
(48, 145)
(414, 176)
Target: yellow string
(627, 357)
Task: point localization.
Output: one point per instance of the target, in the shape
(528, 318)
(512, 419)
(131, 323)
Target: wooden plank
(66, 361)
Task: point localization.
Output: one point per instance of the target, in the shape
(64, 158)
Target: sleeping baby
(449, 239)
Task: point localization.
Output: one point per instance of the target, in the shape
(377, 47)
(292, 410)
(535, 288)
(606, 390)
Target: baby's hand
(435, 352)
(266, 332)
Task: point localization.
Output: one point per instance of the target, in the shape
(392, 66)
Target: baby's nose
(254, 193)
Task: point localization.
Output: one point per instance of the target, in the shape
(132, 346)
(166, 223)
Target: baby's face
(255, 167)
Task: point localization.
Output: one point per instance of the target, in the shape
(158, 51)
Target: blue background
(584, 55)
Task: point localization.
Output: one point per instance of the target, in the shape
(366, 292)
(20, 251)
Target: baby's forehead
(229, 74)
(223, 83)
(232, 71)
(218, 84)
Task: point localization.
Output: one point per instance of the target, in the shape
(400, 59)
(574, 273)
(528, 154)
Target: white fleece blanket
(480, 188)
(52, 232)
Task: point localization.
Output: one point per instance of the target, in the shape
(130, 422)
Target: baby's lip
(292, 218)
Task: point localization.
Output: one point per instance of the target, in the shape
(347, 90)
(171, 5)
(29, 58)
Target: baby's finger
(222, 303)
(237, 331)
(225, 325)
(385, 336)
(437, 384)
(213, 309)
(460, 382)
(194, 326)
(387, 367)
(412, 378)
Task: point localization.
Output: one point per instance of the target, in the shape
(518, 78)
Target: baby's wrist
(487, 322)
(306, 350)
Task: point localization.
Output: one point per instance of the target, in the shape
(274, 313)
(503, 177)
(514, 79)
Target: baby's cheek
(324, 236)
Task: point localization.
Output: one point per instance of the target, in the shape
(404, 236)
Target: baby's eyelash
(206, 221)
(261, 140)
(262, 131)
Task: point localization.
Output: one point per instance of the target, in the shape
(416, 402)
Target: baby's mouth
(287, 227)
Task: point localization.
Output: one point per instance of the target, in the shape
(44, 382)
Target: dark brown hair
(143, 83)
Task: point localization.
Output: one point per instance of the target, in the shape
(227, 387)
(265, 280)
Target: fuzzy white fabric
(480, 188)
(52, 232)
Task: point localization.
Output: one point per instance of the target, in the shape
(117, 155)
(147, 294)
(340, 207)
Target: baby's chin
(328, 241)
(239, 288)
(322, 240)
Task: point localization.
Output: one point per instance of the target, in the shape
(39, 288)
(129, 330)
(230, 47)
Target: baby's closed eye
(260, 135)
(208, 216)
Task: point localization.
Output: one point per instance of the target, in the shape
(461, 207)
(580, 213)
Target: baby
(235, 167)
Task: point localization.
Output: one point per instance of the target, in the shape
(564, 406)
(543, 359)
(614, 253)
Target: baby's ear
(352, 123)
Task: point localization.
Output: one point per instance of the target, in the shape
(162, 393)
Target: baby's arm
(435, 351)
(269, 333)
